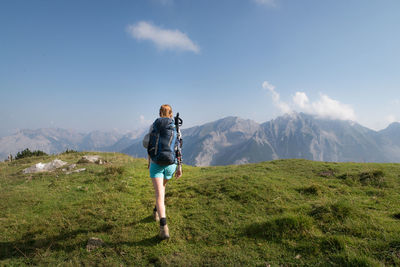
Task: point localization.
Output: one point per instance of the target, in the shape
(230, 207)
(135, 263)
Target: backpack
(162, 142)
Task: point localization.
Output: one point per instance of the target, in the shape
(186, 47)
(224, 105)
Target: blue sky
(91, 65)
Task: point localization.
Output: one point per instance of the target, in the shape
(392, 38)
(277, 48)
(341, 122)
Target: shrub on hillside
(27, 153)
(310, 190)
(371, 177)
(332, 244)
(328, 213)
(344, 259)
(69, 151)
(114, 170)
(286, 227)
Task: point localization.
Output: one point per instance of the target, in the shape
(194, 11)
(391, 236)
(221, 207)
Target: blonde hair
(166, 111)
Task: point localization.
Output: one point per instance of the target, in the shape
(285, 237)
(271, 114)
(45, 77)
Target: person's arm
(145, 142)
(178, 172)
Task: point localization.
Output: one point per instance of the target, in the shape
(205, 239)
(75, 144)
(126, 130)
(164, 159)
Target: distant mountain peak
(394, 125)
(393, 128)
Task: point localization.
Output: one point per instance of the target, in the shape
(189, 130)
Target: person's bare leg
(156, 215)
(159, 189)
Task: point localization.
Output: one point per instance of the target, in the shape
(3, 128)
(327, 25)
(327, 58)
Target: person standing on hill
(163, 161)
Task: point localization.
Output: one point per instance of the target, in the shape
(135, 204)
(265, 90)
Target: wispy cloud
(162, 38)
(324, 106)
(271, 3)
(390, 118)
(283, 107)
(327, 107)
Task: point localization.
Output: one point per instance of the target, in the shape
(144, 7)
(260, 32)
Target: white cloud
(327, 107)
(390, 118)
(283, 107)
(271, 3)
(162, 38)
(324, 107)
(300, 99)
(267, 85)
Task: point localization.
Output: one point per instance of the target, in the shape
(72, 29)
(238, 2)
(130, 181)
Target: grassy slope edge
(283, 212)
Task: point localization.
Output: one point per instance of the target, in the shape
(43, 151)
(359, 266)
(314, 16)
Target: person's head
(166, 111)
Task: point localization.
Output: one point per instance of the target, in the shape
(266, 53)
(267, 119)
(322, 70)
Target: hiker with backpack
(163, 143)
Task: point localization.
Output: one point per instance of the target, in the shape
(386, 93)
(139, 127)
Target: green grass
(283, 212)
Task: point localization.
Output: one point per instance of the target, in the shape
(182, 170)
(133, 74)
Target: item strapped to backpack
(178, 124)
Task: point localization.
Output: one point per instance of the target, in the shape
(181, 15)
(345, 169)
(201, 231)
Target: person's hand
(178, 172)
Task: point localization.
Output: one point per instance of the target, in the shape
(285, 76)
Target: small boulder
(69, 168)
(45, 167)
(94, 243)
(91, 159)
(76, 171)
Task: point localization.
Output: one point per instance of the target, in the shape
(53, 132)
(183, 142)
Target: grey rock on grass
(45, 167)
(94, 243)
(91, 159)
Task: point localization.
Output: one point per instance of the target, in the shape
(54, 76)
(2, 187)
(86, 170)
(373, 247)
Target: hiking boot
(164, 232)
(155, 216)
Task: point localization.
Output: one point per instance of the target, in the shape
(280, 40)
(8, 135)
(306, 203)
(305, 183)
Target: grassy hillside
(284, 212)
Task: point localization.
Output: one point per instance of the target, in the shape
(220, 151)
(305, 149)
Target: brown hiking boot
(164, 232)
(155, 216)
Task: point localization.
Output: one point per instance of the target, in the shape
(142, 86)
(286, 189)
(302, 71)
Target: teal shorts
(166, 172)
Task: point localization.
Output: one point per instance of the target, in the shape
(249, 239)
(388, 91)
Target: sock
(163, 221)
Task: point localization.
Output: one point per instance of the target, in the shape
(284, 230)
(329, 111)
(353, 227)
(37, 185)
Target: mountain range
(51, 141)
(233, 140)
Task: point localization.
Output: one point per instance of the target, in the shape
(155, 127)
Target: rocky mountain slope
(233, 140)
(58, 140)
